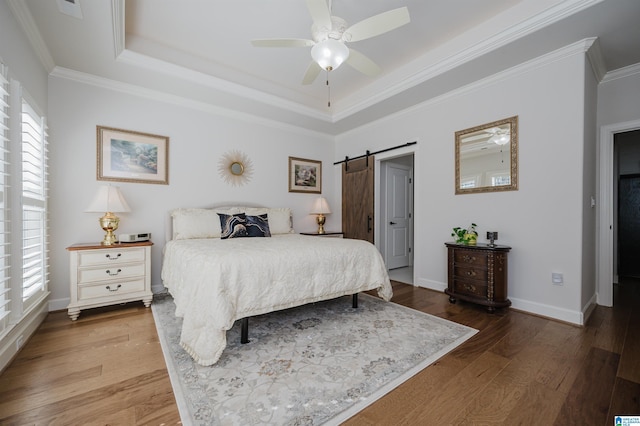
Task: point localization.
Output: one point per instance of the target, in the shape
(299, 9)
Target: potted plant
(467, 235)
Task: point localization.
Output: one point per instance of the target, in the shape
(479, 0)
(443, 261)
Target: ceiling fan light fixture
(500, 139)
(329, 54)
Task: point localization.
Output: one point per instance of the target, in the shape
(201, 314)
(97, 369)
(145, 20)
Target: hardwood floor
(108, 368)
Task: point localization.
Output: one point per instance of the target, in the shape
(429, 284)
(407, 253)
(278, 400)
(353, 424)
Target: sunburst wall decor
(235, 168)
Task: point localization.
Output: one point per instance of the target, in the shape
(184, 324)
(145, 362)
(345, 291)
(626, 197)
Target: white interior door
(398, 215)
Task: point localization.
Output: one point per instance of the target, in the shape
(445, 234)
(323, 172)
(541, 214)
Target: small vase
(470, 239)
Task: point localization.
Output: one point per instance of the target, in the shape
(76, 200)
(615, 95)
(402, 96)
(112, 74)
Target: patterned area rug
(315, 364)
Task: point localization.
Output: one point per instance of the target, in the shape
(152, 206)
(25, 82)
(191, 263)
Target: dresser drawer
(471, 287)
(112, 289)
(110, 257)
(464, 272)
(470, 258)
(110, 272)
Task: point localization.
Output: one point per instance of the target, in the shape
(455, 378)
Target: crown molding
(577, 48)
(118, 24)
(621, 73)
(538, 22)
(160, 96)
(25, 19)
(596, 59)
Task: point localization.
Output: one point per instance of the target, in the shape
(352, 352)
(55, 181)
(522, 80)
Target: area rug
(316, 364)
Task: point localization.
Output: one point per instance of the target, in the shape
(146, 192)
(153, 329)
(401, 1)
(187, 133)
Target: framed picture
(305, 175)
(128, 156)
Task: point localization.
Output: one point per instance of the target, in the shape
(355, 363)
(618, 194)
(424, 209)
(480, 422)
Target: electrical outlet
(19, 342)
(557, 278)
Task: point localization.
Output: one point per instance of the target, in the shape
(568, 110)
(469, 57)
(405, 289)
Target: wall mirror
(236, 168)
(487, 157)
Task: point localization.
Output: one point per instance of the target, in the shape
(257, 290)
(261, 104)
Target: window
(5, 288)
(34, 202)
(23, 205)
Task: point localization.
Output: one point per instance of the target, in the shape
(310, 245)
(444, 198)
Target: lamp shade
(108, 199)
(329, 54)
(321, 206)
(500, 138)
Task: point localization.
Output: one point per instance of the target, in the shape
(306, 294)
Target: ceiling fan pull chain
(328, 91)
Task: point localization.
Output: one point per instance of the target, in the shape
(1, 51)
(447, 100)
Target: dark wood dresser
(478, 274)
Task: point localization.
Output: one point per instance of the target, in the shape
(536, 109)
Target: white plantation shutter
(34, 203)
(5, 282)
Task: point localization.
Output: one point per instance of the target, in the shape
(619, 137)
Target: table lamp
(109, 199)
(320, 208)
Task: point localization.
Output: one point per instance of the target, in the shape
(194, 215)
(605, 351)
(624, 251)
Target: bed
(216, 279)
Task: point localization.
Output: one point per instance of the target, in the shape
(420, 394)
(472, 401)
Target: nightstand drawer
(112, 272)
(110, 257)
(470, 287)
(463, 272)
(469, 257)
(113, 289)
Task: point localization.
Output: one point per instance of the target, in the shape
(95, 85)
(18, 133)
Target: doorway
(627, 204)
(607, 210)
(396, 216)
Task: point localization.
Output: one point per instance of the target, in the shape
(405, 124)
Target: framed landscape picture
(305, 175)
(128, 156)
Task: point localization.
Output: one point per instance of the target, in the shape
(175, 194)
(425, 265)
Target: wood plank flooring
(108, 368)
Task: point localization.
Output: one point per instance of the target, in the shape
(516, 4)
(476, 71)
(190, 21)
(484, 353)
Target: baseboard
(431, 285)
(561, 314)
(588, 309)
(21, 332)
(566, 315)
(58, 304)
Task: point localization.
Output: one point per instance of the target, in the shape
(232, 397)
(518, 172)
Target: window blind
(5, 250)
(34, 202)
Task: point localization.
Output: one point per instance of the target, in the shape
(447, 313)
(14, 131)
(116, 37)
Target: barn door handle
(368, 223)
(392, 223)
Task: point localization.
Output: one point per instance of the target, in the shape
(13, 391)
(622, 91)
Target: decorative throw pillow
(258, 226)
(233, 226)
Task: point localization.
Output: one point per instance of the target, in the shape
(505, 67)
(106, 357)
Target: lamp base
(109, 223)
(320, 219)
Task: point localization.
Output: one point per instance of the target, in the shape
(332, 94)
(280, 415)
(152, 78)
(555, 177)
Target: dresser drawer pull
(108, 256)
(471, 273)
(469, 287)
(469, 259)
(113, 274)
(115, 289)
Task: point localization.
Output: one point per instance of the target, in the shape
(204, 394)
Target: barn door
(357, 198)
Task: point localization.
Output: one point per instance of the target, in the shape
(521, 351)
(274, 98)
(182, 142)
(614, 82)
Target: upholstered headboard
(187, 223)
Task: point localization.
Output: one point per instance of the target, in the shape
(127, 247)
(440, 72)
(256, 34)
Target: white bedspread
(215, 282)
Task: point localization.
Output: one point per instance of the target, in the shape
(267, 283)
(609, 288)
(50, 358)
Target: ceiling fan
(329, 37)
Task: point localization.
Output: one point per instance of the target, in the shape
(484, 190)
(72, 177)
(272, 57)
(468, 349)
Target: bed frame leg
(355, 301)
(244, 333)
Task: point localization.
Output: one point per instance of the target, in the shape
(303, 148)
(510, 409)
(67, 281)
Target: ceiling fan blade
(312, 72)
(363, 64)
(320, 13)
(376, 25)
(282, 42)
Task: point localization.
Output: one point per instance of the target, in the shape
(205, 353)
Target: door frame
(378, 188)
(605, 209)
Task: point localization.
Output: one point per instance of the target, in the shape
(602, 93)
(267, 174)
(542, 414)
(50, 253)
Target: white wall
(197, 141)
(542, 221)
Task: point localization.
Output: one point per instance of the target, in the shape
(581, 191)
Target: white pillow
(279, 218)
(198, 223)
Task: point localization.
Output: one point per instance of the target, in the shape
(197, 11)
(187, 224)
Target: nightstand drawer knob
(108, 256)
(113, 274)
(115, 289)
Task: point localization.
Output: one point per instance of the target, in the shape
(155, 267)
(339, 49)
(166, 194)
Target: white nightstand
(108, 275)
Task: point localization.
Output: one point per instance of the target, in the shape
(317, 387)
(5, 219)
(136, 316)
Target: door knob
(392, 223)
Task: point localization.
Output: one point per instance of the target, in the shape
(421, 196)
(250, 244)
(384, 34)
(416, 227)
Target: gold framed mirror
(235, 168)
(487, 157)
